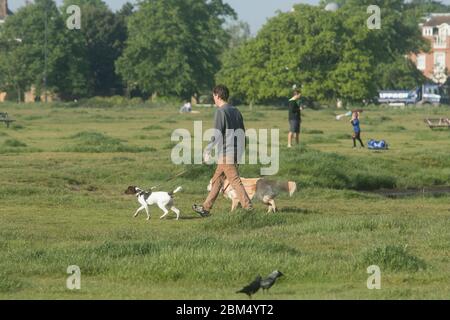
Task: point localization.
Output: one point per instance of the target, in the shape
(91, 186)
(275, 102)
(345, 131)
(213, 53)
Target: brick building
(436, 63)
(4, 10)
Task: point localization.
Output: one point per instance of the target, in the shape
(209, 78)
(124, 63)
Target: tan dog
(263, 189)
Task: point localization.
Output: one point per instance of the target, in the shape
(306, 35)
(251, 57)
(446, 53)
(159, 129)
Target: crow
(268, 282)
(252, 288)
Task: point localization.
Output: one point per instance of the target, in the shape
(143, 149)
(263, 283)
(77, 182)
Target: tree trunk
(18, 95)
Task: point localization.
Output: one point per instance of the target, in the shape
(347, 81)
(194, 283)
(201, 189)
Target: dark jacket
(294, 110)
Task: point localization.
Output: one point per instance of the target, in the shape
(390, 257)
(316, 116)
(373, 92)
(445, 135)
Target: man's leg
(297, 137)
(290, 139)
(232, 174)
(216, 185)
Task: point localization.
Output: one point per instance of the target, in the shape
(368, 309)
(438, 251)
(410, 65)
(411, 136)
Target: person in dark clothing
(295, 118)
(356, 129)
(230, 137)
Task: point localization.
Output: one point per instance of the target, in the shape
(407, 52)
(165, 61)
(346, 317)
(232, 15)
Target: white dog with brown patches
(263, 189)
(164, 200)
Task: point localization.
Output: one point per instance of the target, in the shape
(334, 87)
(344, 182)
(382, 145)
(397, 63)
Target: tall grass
(95, 142)
(327, 170)
(14, 143)
(393, 258)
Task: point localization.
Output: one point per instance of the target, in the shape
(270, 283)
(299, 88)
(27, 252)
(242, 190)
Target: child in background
(356, 129)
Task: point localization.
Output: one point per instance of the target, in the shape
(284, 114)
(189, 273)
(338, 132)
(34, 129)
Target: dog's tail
(175, 191)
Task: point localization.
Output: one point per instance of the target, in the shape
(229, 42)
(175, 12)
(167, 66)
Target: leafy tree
(14, 76)
(402, 74)
(239, 33)
(295, 48)
(329, 54)
(176, 51)
(353, 76)
(66, 68)
(103, 34)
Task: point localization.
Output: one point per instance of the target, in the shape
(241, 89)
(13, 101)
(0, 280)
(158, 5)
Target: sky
(255, 12)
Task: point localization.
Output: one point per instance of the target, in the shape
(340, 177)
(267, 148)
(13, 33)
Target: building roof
(436, 19)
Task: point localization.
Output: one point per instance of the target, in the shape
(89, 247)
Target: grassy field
(63, 172)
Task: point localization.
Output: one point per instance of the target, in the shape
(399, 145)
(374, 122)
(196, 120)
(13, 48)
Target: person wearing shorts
(294, 118)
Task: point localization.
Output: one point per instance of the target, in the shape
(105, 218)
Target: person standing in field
(229, 125)
(295, 118)
(356, 129)
(186, 108)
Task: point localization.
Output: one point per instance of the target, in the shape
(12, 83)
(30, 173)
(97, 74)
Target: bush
(14, 143)
(17, 127)
(95, 142)
(330, 170)
(366, 181)
(393, 258)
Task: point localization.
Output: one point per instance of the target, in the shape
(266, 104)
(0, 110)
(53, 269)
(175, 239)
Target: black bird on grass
(268, 282)
(252, 288)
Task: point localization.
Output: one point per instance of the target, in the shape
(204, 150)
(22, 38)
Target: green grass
(394, 258)
(64, 169)
(14, 143)
(95, 142)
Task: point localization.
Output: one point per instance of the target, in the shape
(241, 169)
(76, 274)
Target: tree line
(182, 47)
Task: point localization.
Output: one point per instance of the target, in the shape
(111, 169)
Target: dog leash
(174, 177)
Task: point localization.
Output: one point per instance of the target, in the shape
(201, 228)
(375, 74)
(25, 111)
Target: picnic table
(4, 117)
(438, 123)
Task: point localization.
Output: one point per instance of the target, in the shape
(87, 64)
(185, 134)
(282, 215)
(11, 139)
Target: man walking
(230, 138)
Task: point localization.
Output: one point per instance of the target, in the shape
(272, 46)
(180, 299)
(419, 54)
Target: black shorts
(294, 126)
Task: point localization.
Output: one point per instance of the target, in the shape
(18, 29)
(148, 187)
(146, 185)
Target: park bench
(438, 123)
(4, 117)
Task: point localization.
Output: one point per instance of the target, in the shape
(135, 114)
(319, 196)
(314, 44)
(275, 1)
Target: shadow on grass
(294, 210)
